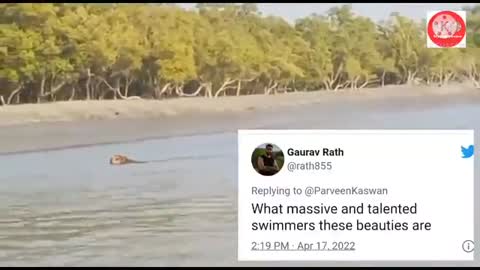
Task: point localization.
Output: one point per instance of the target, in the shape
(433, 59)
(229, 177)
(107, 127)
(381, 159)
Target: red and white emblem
(446, 29)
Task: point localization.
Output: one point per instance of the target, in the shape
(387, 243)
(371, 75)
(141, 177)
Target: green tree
(53, 52)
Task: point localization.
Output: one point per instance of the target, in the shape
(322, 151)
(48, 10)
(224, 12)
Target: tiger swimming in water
(122, 160)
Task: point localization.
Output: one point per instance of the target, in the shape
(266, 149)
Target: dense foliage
(52, 52)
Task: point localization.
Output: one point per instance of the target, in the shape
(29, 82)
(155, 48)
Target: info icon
(446, 29)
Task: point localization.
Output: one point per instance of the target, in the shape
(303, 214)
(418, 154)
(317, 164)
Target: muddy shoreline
(138, 121)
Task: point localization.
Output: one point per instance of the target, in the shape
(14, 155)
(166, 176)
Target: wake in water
(122, 160)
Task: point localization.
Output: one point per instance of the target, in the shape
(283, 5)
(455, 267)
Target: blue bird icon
(467, 152)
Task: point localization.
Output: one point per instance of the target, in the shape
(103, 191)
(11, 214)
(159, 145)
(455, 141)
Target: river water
(71, 208)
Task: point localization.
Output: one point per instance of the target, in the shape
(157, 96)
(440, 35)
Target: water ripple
(33, 232)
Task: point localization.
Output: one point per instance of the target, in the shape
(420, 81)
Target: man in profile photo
(267, 165)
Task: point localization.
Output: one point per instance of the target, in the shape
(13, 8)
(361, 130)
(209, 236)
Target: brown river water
(70, 208)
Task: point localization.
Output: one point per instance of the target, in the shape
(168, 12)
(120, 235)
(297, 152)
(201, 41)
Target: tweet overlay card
(356, 195)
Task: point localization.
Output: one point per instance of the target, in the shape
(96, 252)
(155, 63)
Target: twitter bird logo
(467, 152)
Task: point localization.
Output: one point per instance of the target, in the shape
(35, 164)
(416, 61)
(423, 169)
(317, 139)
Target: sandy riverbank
(151, 109)
(39, 127)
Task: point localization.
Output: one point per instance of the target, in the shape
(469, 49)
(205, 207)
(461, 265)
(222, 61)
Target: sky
(376, 11)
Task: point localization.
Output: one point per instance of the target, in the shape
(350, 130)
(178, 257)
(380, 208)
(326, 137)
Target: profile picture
(267, 159)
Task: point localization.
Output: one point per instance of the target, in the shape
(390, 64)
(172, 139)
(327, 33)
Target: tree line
(57, 52)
